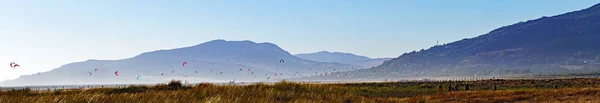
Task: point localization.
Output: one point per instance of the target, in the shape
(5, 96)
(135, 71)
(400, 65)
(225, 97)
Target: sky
(42, 35)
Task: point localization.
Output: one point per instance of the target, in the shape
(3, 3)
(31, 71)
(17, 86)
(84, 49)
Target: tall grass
(284, 91)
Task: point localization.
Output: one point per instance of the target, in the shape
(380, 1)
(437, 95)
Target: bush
(130, 89)
(175, 85)
(24, 91)
(160, 87)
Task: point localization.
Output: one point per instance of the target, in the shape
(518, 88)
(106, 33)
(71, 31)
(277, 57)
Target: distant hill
(219, 56)
(370, 63)
(566, 43)
(339, 57)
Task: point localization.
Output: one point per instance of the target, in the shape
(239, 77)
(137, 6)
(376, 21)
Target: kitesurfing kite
(13, 65)
(95, 70)
(117, 73)
(90, 73)
(281, 61)
(183, 64)
(138, 77)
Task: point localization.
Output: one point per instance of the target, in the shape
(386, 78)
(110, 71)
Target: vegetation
(555, 90)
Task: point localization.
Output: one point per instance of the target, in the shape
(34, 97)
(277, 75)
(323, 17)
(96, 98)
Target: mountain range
(216, 60)
(565, 43)
(340, 57)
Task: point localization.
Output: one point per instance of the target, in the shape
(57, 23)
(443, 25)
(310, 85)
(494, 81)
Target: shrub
(130, 89)
(175, 85)
(24, 91)
(160, 87)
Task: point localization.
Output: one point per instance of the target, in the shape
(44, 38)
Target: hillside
(340, 57)
(213, 61)
(565, 43)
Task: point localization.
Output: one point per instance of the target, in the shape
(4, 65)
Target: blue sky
(43, 35)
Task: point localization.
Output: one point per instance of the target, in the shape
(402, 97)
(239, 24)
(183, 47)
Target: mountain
(566, 43)
(370, 63)
(216, 60)
(339, 57)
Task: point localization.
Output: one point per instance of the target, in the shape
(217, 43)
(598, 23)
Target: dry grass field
(550, 90)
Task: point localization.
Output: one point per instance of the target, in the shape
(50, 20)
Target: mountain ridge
(341, 57)
(562, 43)
(216, 60)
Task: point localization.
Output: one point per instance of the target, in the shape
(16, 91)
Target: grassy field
(551, 90)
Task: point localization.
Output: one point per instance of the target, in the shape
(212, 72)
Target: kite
(162, 74)
(268, 78)
(183, 64)
(117, 73)
(95, 70)
(13, 65)
(196, 72)
(138, 77)
(90, 73)
(281, 61)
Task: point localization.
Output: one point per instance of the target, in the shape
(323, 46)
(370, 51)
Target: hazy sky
(42, 35)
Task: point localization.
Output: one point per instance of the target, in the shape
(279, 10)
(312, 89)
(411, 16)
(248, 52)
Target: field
(546, 90)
